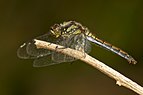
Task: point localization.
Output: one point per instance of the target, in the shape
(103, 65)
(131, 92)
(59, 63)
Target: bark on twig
(121, 80)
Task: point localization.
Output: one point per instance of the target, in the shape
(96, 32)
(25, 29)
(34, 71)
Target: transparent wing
(87, 47)
(81, 43)
(32, 50)
(60, 58)
(29, 51)
(43, 61)
(77, 42)
(22, 53)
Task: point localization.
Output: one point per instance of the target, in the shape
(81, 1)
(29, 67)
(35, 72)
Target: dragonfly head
(55, 30)
(66, 29)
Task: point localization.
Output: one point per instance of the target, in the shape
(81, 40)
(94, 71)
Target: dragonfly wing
(80, 43)
(47, 37)
(59, 58)
(22, 53)
(77, 42)
(29, 50)
(43, 61)
(32, 50)
(87, 47)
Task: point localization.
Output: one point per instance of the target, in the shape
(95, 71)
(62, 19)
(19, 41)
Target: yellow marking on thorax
(77, 32)
(71, 27)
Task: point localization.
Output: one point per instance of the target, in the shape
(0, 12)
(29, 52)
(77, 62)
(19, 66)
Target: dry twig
(121, 80)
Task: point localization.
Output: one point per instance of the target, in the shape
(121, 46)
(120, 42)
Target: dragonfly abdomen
(112, 48)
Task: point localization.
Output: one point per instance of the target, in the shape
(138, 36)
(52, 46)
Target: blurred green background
(117, 22)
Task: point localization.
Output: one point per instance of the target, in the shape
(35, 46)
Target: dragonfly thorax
(67, 29)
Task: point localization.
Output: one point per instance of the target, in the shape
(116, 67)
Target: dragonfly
(70, 34)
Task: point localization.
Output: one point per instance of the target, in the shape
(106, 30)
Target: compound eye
(55, 26)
